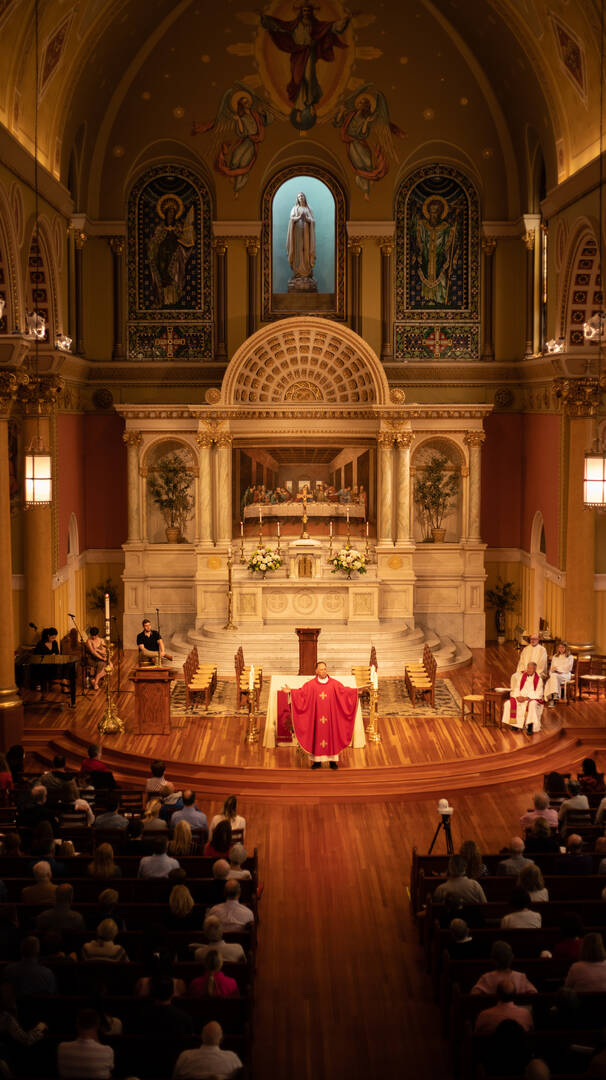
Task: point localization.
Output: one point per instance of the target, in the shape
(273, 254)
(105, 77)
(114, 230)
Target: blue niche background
(322, 203)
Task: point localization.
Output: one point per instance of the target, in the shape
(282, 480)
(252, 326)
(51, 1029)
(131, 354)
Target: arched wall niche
(41, 278)
(10, 277)
(437, 265)
(279, 306)
(170, 271)
(582, 294)
(73, 539)
(423, 451)
(158, 448)
(305, 359)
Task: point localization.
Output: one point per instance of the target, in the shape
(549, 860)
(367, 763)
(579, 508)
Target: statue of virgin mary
(301, 246)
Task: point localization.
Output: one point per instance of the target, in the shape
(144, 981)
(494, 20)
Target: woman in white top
(531, 880)
(229, 813)
(520, 915)
(560, 672)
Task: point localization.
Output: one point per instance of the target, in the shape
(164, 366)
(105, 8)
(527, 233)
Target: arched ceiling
(485, 81)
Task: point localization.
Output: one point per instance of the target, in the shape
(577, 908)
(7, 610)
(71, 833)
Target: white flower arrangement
(264, 559)
(348, 560)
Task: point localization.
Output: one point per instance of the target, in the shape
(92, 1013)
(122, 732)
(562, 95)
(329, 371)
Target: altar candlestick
(348, 515)
(374, 678)
(367, 528)
(260, 516)
(330, 528)
(106, 606)
(108, 625)
(278, 530)
(251, 678)
(241, 528)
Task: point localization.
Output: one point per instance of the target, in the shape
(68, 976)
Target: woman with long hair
(183, 914)
(560, 672)
(476, 868)
(103, 865)
(218, 846)
(213, 983)
(589, 778)
(229, 813)
(152, 822)
(182, 842)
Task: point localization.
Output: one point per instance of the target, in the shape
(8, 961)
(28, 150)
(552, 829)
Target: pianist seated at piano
(49, 646)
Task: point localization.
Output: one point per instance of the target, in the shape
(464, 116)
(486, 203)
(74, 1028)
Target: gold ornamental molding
(214, 431)
(580, 397)
(474, 438)
(39, 394)
(10, 383)
(528, 240)
(489, 244)
(132, 438)
(116, 244)
(386, 439)
(405, 439)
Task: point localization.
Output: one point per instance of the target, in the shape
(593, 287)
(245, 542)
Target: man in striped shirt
(85, 1058)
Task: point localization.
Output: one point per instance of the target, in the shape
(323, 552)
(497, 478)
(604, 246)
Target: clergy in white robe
(526, 700)
(560, 672)
(534, 653)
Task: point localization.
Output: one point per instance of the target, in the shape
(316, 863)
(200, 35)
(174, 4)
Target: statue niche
(301, 246)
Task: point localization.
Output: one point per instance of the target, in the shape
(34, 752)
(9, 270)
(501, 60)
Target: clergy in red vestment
(323, 715)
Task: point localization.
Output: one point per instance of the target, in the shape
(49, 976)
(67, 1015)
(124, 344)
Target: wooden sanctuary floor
(341, 990)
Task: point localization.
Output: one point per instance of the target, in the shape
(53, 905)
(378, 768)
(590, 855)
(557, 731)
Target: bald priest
(323, 715)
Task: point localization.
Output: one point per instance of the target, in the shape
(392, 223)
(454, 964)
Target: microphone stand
(159, 661)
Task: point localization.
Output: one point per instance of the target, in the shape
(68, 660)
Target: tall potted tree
(504, 597)
(434, 492)
(170, 487)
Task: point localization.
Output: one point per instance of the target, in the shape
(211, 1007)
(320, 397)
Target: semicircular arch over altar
(305, 359)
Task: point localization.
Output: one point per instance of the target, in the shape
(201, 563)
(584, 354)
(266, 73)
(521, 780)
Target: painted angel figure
(244, 115)
(170, 249)
(365, 128)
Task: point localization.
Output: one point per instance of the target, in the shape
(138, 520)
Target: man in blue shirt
(190, 813)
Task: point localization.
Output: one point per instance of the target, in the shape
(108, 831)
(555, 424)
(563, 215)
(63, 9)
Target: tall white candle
(241, 528)
(348, 515)
(331, 528)
(260, 516)
(374, 678)
(278, 530)
(367, 528)
(106, 606)
(229, 552)
(251, 678)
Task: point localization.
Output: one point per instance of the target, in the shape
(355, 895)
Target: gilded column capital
(355, 245)
(489, 245)
(528, 240)
(252, 245)
(404, 439)
(386, 245)
(39, 394)
(10, 383)
(475, 438)
(116, 244)
(385, 440)
(224, 439)
(132, 438)
(80, 239)
(580, 397)
(204, 440)
(220, 245)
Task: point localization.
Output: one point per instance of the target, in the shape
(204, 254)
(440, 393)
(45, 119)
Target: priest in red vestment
(323, 715)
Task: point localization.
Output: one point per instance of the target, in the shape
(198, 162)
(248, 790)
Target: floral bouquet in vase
(264, 559)
(348, 560)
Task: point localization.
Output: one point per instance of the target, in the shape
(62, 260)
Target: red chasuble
(323, 716)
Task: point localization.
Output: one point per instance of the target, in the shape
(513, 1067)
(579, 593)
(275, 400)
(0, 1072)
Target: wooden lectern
(308, 650)
(152, 700)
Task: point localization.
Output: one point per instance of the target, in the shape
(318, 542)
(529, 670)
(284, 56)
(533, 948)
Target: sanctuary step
(276, 648)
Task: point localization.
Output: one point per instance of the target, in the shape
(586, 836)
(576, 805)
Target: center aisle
(341, 988)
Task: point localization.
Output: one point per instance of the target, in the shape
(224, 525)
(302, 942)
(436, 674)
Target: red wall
(71, 493)
(520, 475)
(106, 483)
(501, 470)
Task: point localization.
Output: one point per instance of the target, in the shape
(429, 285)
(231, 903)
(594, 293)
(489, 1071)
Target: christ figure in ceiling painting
(307, 40)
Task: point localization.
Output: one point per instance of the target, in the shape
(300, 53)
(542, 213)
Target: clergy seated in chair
(535, 653)
(525, 706)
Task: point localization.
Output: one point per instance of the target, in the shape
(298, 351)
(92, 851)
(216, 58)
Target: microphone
(33, 625)
(71, 615)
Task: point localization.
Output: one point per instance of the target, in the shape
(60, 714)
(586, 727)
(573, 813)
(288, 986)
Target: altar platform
(417, 757)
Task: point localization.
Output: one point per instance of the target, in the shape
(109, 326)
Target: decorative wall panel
(169, 267)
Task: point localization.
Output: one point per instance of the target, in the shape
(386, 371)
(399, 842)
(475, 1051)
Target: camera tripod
(443, 824)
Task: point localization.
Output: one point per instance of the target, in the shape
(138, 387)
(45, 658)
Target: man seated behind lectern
(323, 716)
(150, 644)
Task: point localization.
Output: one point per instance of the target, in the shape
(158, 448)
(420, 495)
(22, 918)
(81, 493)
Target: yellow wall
(61, 608)
(555, 608)
(96, 574)
(507, 571)
(600, 621)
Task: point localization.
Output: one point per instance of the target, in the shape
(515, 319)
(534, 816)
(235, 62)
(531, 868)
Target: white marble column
(474, 440)
(133, 441)
(403, 444)
(224, 488)
(385, 449)
(205, 487)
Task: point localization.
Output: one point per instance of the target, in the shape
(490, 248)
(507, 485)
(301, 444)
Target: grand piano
(32, 670)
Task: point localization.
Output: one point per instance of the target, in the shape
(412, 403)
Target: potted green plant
(504, 597)
(169, 486)
(434, 492)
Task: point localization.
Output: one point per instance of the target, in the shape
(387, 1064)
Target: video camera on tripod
(445, 811)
